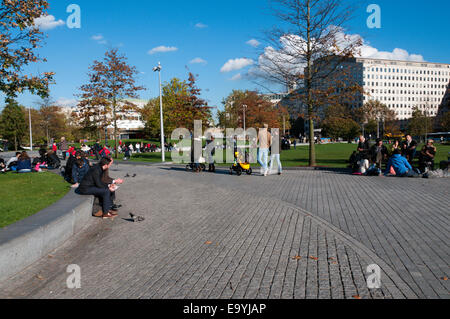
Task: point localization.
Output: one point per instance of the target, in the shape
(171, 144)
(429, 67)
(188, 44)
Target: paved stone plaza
(304, 234)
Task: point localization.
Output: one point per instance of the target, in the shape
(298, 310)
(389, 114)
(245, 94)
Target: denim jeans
(276, 157)
(263, 155)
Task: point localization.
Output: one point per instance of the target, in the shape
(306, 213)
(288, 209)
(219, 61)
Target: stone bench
(28, 240)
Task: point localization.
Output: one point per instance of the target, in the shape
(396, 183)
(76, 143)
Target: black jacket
(93, 178)
(365, 153)
(373, 152)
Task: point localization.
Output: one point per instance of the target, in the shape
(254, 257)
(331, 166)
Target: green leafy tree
(181, 104)
(338, 123)
(419, 124)
(12, 122)
(445, 121)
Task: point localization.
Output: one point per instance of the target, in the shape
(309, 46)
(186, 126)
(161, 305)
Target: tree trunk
(312, 149)
(115, 129)
(15, 142)
(312, 146)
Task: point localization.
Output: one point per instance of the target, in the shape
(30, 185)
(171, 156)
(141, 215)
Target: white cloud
(368, 51)
(236, 77)
(97, 37)
(64, 102)
(201, 25)
(288, 58)
(236, 64)
(254, 43)
(100, 39)
(162, 49)
(197, 61)
(47, 22)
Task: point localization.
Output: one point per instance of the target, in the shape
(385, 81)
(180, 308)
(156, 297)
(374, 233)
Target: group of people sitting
(368, 160)
(22, 162)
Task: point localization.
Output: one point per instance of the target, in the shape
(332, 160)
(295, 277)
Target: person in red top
(105, 152)
(71, 151)
(54, 147)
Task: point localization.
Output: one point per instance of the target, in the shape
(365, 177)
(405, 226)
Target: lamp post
(158, 69)
(244, 106)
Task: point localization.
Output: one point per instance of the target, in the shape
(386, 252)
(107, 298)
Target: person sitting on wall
(79, 170)
(92, 184)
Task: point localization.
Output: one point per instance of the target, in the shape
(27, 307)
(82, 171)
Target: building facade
(404, 85)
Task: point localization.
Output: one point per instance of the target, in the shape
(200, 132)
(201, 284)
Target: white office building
(402, 85)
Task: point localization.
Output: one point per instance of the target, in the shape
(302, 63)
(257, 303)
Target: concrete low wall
(26, 241)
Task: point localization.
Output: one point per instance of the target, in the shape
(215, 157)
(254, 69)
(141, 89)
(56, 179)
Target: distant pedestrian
(63, 147)
(275, 151)
(263, 153)
(97, 149)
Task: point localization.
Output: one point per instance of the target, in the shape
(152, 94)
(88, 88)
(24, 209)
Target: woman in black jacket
(92, 184)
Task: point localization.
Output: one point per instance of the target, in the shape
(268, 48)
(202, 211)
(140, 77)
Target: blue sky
(213, 31)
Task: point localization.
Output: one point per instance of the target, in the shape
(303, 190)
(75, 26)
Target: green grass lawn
(27, 194)
(327, 155)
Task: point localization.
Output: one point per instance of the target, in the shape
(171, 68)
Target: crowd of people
(23, 163)
(397, 158)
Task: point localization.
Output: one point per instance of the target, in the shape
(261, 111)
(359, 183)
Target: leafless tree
(306, 49)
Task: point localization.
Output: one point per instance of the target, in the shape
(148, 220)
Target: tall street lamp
(245, 108)
(158, 69)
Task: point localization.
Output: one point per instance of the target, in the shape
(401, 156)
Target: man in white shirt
(13, 159)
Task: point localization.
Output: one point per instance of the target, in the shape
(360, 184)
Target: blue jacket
(400, 164)
(79, 172)
(25, 164)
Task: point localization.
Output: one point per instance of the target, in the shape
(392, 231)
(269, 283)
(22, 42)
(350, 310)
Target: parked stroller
(240, 165)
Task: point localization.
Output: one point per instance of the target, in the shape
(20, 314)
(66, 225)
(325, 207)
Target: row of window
(413, 85)
(397, 92)
(405, 78)
(405, 71)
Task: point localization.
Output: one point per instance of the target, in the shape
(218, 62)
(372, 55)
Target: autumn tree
(192, 107)
(305, 48)
(51, 119)
(258, 111)
(111, 83)
(12, 122)
(19, 41)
